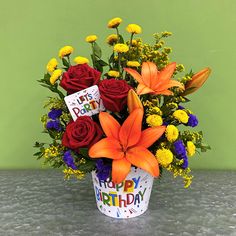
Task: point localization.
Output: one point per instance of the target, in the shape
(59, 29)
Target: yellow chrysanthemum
(91, 38)
(133, 64)
(154, 120)
(171, 133)
(113, 73)
(134, 42)
(52, 65)
(55, 76)
(114, 23)
(191, 148)
(65, 51)
(81, 60)
(112, 39)
(134, 29)
(164, 156)
(181, 116)
(121, 47)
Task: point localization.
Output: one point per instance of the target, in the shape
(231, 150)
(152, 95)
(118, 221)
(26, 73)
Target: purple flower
(55, 113)
(192, 121)
(69, 161)
(181, 107)
(54, 125)
(103, 171)
(185, 163)
(180, 149)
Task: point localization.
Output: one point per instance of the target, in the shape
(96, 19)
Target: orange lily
(197, 81)
(133, 101)
(153, 81)
(127, 145)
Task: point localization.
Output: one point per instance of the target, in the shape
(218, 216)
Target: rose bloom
(114, 94)
(82, 133)
(79, 77)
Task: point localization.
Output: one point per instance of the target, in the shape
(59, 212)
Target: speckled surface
(42, 203)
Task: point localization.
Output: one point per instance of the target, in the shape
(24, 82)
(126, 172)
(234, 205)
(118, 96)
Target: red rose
(81, 133)
(114, 94)
(79, 77)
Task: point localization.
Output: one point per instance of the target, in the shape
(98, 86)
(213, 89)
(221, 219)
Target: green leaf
(121, 39)
(102, 63)
(65, 62)
(84, 151)
(97, 50)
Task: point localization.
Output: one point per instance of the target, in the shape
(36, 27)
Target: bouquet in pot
(109, 115)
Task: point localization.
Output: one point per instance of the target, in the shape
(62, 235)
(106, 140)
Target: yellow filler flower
(191, 148)
(55, 76)
(114, 23)
(112, 39)
(113, 73)
(133, 64)
(81, 60)
(154, 120)
(171, 133)
(181, 116)
(134, 29)
(91, 38)
(164, 156)
(52, 65)
(121, 47)
(65, 51)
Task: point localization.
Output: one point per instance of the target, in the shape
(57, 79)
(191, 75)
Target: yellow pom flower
(191, 148)
(164, 156)
(91, 38)
(65, 51)
(114, 23)
(81, 60)
(55, 76)
(113, 73)
(134, 42)
(121, 47)
(133, 64)
(181, 116)
(134, 29)
(171, 133)
(112, 39)
(52, 65)
(154, 120)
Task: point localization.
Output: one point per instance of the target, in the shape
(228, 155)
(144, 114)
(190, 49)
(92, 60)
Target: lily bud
(133, 101)
(197, 81)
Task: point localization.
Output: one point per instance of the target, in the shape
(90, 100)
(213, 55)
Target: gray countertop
(40, 202)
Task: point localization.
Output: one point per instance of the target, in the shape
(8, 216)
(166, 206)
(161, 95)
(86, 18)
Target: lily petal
(150, 135)
(134, 74)
(130, 131)
(109, 125)
(133, 101)
(167, 72)
(107, 147)
(149, 74)
(170, 84)
(120, 169)
(144, 159)
(197, 81)
(164, 92)
(143, 89)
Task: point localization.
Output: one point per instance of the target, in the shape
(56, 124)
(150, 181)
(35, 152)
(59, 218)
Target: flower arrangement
(142, 96)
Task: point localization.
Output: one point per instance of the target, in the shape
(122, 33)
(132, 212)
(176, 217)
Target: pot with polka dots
(127, 199)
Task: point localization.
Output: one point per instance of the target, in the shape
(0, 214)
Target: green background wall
(33, 31)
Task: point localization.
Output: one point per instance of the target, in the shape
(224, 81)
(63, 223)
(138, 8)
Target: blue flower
(55, 113)
(69, 161)
(103, 171)
(180, 149)
(54, 124)
(192, 121)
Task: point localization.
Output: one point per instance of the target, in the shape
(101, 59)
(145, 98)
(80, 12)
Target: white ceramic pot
(127, 199)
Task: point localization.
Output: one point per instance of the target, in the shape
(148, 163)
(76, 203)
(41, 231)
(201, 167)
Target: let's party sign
(86, 102)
